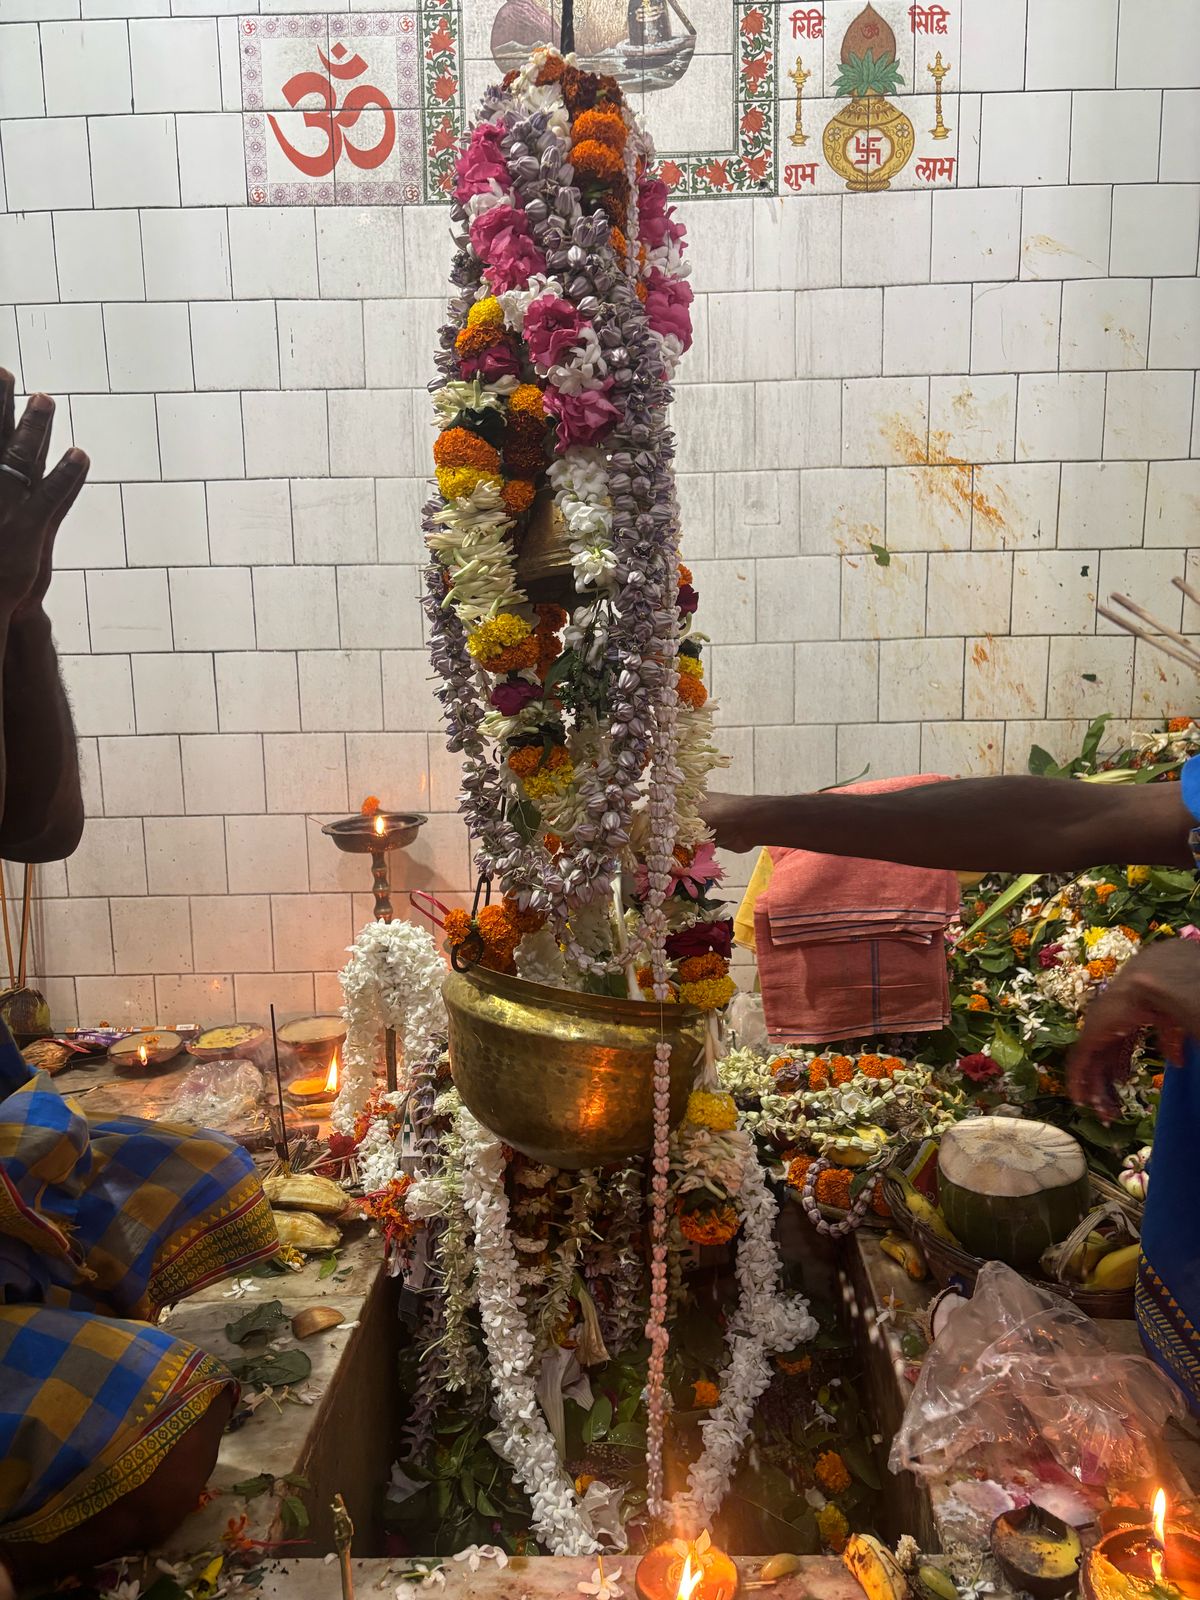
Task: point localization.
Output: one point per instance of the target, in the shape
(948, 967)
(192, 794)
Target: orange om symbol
(334, 122)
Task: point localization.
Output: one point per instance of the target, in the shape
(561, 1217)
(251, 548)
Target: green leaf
(296, 1480)
(598, 1420)
(329, 1265)
(560, 669)
(1041, 762)
(251, 1488)
(262, 1322)
(294, 1514)
(1091, 741)
(628, 1433)
(485, 1507)
(858, 1458)
(883, 556)
(272, 1370)
(1089, 677)
(1007, 1051)
(525, 818)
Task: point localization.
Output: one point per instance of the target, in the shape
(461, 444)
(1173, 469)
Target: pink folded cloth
(848, 947)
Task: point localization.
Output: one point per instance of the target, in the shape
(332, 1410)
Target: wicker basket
(951, 1265)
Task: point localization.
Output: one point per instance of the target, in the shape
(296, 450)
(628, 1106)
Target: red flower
(445, 86)
(756, 166)
(671, 173)
(753, 23)
(689, 600)
(755, 72)
(700, 938)
(441, 39)
(715, 175)
(1048, 957)
(753, 121)
(979, 1068)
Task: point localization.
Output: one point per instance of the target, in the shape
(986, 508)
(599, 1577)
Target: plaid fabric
(98, 1222)
(89, 1408)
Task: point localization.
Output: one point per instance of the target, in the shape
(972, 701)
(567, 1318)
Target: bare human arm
(41, 808)
(1005, 824)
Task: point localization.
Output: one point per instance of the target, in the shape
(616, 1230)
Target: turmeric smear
(953, 486)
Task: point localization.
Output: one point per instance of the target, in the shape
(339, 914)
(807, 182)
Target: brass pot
(874, 125)
(566, 1078)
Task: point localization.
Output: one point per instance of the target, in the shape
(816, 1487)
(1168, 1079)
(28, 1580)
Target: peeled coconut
(1009, 1189)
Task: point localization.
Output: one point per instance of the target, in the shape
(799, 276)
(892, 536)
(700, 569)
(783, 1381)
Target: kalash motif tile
(367, 108)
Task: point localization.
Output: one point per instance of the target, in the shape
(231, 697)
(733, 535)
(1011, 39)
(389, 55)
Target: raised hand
(1159, 988)
(33, 502)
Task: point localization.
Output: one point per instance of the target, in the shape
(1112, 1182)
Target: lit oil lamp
(1147, 1559)
(686, 1570)
(316, 1091)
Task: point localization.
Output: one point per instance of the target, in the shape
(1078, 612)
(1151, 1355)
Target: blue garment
(1168, 1284)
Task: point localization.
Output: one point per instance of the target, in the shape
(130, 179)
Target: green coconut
(1009, 1188)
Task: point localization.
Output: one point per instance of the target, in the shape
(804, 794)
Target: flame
(331, 1077)
(689, 1578)
(1158, 1553)
(380, 824)
(143, 1054)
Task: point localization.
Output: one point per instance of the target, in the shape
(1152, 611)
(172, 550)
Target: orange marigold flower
(871, 1066)
(619, 242)
(517, 495)
(602, 123)
(841, 1070)
(713, 1225)
(550, 617)
(685, 574)
(979, 1002)
(514, 657)
(818, 1073)
(779, 1062)
(831, 1473)
(1020, 938)
(523, 921)
(691, 691)
(552, 842)
(704, 1394)
(528, 400)
(696, 968)
(833, 1187)
(641, 290)
(496, 928)
(1101, 967)
(370, 805)
(879, 1205)
(797, 1170)
(457, 925)
(472, 340)
(794, 1369)
(892, 1065)
(1156, 1082)
(457, 447)
(1131, 934)
(551, 72)
(525, 759)
(1179, 724)
(595, 160)
(1104, 890)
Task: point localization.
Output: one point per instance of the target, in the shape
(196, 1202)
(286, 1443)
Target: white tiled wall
(995, 383)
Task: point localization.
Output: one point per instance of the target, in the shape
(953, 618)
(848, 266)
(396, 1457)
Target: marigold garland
(832, 1473)
(712, 1226)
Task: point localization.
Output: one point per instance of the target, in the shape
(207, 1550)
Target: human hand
(727, 815)
(33, 502)
(1158, 988)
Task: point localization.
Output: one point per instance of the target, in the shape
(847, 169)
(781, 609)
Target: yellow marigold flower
(715, 1111)
(548, 781)
(497, 634)
(1164, 930)
(710, 994)
(456, 483)
(705, 1394)
(979, 1002)
(486, 313)
(833, 1528)
(1136, 876)
(692, 665)
(831, 1473)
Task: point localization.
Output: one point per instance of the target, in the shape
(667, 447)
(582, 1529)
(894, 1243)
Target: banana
(906, 1253)
(874, 1568)
(926, 1213)
(1116, 1270)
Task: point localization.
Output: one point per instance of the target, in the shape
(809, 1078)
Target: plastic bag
(1020, 1368)
(219, 1094)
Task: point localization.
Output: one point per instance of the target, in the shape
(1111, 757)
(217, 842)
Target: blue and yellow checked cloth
(101, 1226)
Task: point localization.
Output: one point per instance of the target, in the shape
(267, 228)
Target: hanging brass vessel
(566, 1078)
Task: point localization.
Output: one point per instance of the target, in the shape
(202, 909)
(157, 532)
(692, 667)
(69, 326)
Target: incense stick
(26, 898)
(1162, 627)
(1185, 588)
(8, 949)
(279, 1090)
(1157, 643)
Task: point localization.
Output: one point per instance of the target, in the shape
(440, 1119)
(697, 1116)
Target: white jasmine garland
(393, 979)
(524, 1438)
(764, 1323)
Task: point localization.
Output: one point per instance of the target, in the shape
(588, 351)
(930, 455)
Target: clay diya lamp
(1144, 1560)
(318, 1091)
(679, 1570)
(1038, 1553)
